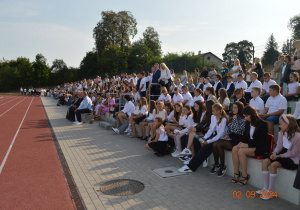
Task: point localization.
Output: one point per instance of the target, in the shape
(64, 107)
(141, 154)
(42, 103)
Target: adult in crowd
(212, 74)
(155, 88)
(204, 73)
(224, 74)
(277, 69)
(184, 77)
(265, 88)
(240, 84)
(85, 107)
(258, 68)
(286, 73)
(165, 76)
(256, 134)
(276, 105)
(236, 70)
(196, 76)
(21, 91)
(248, 72)
(172, 73)
(76, 103)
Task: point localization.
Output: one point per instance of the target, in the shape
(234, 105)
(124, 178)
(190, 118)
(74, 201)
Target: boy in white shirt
(177, 97)
(142, 89)
(164, 97)
(178, 84)
(265, 88)
(276, 105)
(255, 83)
(240, 84)
(187, 97)
(206, 84)
(256, 101)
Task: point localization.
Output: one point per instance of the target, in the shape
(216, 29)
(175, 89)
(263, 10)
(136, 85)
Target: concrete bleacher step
(105, 125)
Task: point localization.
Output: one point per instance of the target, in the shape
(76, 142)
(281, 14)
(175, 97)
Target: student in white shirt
(256, 101)
(210, 94)
(223, 99)
(159, 143)
(187, 97)
(198, 97)
(142, 89)
(200, 85)
(150, 119)
(177, 97)
(254, 83)
(138, 118)
(161, 112)
(182, 122)
(206, 84)
(125, 113)
(240, 84)
(178, 84)
(293, 87)
(248, 72)
(236, 69)
(276, 105)
(164, 97)
(219, 120)
(265, 88)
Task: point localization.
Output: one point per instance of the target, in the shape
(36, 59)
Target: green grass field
(12, 94)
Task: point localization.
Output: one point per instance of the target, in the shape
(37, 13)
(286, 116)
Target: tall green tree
(151, 40)
(114, 59)
(294, 26)
(90, 64)
(242, 50)
(114, 29)
(231, 53)
(140, 55)
(285, 49)
(271, 52)
(24, 70)
(40, 71)
(8, 79)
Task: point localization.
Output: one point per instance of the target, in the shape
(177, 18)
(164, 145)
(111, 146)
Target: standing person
(25, 90)
(21, 91)
(236, 70)
(204, 73)
(191, 86)
(165, 76)
(142, 89)
(184, 77)
(212, 74)
(224, 74)
(85, 107)
(155, 88)
(276, 72)
(172, 73)
(256, 134)
(196, 76)
(286, 74)
(248, 72)
(276, 105)
(285, 155)
(258, 68)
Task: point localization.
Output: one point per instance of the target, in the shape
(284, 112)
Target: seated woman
(103, 103)
(210, 94)
(219, 121)
(161, 112)
(164, 97)
(239, 95)
(109, 105)
(152, 112)
(223, 99)
(192, 121)
(159, 143)
(201, 129)
(286, 154)
(293, 87)
(234, 134)
(182, 123)
(256, 134)
(170, 111)
(174, 116)
(136, 119)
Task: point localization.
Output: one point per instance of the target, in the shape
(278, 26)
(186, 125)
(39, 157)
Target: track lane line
(13, 141)
(13, 106)
(9, 101)
(3, 97)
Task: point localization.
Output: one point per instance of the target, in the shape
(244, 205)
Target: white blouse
(164, 98)
(215, 127)
(162, 134)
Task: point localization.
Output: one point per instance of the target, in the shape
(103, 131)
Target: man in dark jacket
(286, 74)
(155, 88)
(71, 114)
(204, 73)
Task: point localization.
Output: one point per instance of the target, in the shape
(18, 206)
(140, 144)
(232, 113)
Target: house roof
(213, 55)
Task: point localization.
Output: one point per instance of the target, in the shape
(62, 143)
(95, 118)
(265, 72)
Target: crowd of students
(197, 119)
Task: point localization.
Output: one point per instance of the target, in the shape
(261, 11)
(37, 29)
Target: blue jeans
(273, 119)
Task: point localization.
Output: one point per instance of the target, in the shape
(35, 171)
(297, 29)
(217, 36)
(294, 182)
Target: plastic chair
(271, 140)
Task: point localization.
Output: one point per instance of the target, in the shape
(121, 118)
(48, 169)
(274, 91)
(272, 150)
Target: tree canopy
(294, 26)
(271, 52)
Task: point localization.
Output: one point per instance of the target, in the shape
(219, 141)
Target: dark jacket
(219, 86)
(204, 74)
(137, 87)
(156, 76)
(201, 86)
(260, 138)
(78, 102)
(231, 89)
(286, 75)
(243, 100)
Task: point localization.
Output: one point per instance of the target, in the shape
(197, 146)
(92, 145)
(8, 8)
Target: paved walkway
(96, 156)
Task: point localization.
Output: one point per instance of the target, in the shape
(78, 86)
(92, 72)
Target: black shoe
(215, 169)
(222, 171)
(159, 155)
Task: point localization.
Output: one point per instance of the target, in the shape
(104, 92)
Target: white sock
(272, 182)
(265, 175)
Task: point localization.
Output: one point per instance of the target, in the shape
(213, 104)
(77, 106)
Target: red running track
(31, 177)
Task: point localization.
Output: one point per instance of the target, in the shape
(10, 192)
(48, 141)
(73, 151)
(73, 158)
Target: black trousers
(297, 178)
(81, 111)
(71, 113)
(155, 90)
(201, 156)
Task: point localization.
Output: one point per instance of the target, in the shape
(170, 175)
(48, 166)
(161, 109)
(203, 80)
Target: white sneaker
(205, 163)
(187, 161)
(128, 130)
(116, 130)
(175, 154)
(129, 134)
(186, 151)
(260, 191)
(185, 169)
(265, 195)
(184, 158)
(78, 123)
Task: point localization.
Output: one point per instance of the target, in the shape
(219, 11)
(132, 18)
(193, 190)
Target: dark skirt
(236, 139)
(140, 119)
(297, 179)
(159, 146)
(286, 163)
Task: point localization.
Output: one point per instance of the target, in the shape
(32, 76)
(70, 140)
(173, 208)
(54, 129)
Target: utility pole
(253, 53)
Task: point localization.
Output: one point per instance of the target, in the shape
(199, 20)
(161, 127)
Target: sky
(64, 29)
